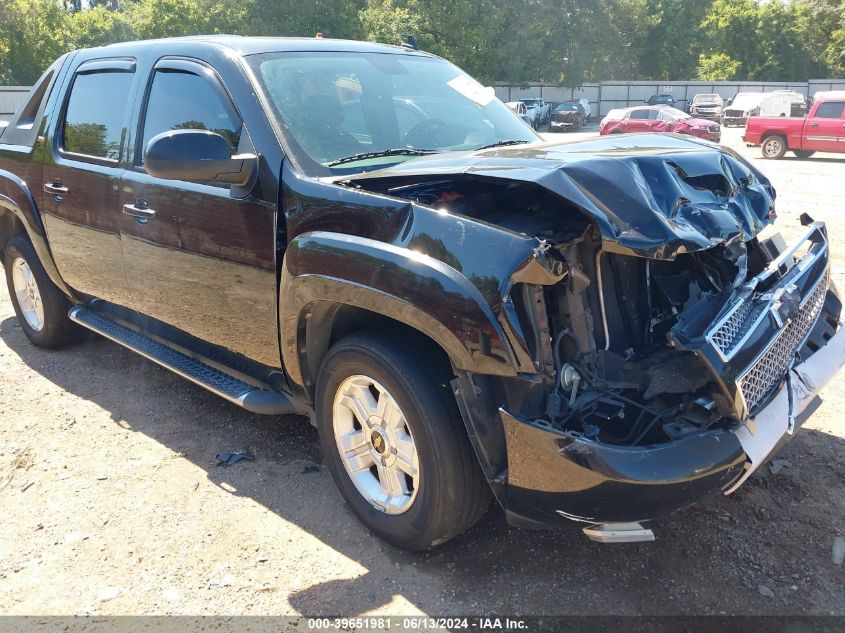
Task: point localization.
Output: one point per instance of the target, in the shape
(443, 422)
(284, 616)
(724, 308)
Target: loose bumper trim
(555, 477)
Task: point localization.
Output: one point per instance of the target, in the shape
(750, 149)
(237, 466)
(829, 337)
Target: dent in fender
(405, 285)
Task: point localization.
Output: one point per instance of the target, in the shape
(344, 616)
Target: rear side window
(95, 114)
(184, 101)
(830, 110)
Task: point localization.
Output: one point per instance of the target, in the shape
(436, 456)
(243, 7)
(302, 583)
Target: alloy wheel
(27, 293)
(375, 444)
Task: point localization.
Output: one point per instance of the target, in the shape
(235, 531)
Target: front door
(199, 257)
(825, 131)
(640, 120)
(81, 179)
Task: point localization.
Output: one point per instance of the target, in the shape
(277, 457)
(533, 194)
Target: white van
(746, 104)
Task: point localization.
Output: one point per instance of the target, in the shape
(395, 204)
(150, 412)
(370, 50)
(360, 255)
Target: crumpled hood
(654, 195)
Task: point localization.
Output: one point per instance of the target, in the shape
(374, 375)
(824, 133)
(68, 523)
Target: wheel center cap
(377, 440)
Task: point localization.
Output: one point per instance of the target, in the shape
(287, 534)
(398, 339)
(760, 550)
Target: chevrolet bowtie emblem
(786, 304)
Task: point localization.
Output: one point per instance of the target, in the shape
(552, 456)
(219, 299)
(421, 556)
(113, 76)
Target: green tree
(33, 33)
(459, 30)
(97, 27)
(717, 67)
(766, 38)
(667, 43)
(170, 18)
(824, 33)
(332, 18)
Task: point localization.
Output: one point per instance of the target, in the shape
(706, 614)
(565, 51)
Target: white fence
(11, 98)
(607, 95)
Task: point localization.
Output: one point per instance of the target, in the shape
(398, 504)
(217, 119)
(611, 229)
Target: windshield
(531, 103)
(707, 99)
(335, 105)
(674, 113)
(746, 101)
(566, 107)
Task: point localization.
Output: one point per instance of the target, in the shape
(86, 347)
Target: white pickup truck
(538, 111)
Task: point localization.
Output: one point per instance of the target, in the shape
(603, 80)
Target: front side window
(333, 106)
(830, 110)
(181, 100)
(640, 115)
(96, 110)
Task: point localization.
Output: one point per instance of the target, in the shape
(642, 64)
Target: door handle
(139, 210)
(56, 189)
(814, 125)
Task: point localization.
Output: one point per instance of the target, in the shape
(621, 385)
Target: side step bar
(618, 533)
(232, 389)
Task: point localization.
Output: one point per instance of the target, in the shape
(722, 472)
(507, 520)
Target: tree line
(559, 41)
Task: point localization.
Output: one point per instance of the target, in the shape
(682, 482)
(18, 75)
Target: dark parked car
(566, 116)
(582, 105)
(662, 99)
(706, 106)
(363, 234)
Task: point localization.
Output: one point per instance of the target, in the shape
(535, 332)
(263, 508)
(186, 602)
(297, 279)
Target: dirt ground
(113, 503)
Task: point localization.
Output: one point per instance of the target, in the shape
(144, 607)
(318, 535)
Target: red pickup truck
(822, 130)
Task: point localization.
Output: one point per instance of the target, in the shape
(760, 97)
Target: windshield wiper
(399, 151)
(500, 144)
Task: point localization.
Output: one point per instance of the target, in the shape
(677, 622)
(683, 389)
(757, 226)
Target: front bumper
(714, 115)
(774, 351)
(554, 477)
(709, 136)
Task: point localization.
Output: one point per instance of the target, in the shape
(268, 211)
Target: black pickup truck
(363, 234)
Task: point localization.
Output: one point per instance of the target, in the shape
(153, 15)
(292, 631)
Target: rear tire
(40, 306)
(803, 153)
(407, 471)
(773, 147)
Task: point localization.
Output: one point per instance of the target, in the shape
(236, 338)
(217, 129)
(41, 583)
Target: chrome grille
(736, 114)
(771, 366)
(724, 334)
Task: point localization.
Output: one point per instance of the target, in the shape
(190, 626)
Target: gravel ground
(114, 504)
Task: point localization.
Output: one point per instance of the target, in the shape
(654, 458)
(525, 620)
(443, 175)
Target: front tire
(773, 147)
(395, 443)
(39, 305)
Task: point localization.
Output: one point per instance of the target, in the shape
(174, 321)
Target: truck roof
(255, 45)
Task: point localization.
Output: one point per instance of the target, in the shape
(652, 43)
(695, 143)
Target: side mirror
(197, 155)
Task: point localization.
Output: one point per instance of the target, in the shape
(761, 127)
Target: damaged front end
(693, 373)
(674, 349)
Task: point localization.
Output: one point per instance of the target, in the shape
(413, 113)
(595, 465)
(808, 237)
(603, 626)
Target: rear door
(81, 177)
(199, 257)
(825, 130)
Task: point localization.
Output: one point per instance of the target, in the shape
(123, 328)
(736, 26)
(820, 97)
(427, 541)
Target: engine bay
(605, 336)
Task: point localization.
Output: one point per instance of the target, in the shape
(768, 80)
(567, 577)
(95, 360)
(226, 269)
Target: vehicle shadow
(709, 558)
(814, 159)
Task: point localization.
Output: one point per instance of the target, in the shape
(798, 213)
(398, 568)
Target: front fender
(405, 285)
(16, 198)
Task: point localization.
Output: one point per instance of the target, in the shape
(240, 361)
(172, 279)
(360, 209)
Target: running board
(618, 533)
(224, 385)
